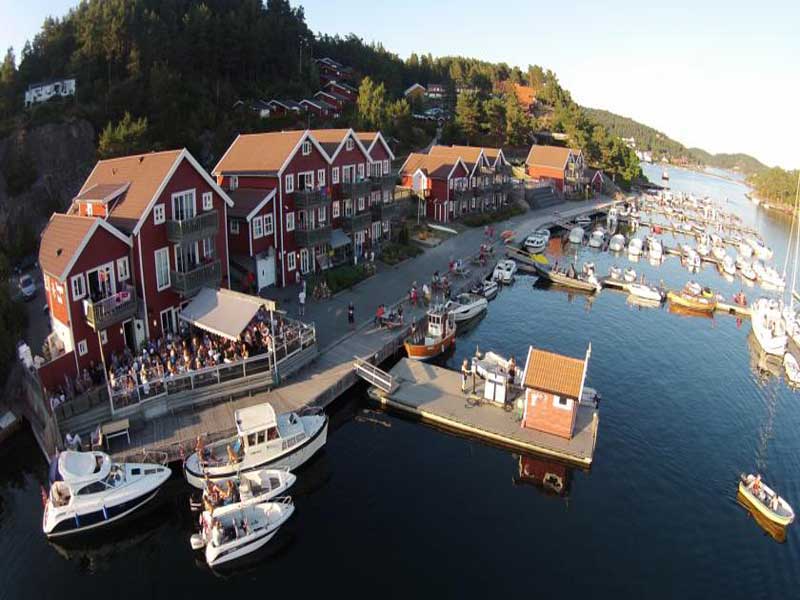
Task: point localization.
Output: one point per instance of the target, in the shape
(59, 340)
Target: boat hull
(429, 351)
(692, 304)
(756, 504)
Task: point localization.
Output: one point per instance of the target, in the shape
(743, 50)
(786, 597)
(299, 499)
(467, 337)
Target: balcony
(204, 275)
(121, 306)
(357, 222)
(391, 211)
(310, 199)
(306, 238)
(202, 226)
(356, 189)
(383, 182)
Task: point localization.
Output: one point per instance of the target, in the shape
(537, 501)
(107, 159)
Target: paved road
(392, 283)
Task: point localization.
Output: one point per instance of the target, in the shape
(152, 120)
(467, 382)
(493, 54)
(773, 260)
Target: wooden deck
(434, 394)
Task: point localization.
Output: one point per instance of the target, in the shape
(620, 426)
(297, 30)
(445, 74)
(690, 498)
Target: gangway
(374, 375)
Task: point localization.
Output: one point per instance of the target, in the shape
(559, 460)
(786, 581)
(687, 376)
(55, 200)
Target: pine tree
(468, 115)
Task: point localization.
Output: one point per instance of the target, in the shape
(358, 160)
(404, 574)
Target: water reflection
(551, 477)
(775, 531)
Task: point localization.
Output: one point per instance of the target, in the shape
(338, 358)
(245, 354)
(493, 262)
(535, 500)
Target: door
(101, 282)
(359, 242)
(129, 332)
(304, 260)
(265, 269)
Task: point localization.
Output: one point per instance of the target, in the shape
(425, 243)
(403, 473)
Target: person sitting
(232, 458)
(73, 442)
(379, 315)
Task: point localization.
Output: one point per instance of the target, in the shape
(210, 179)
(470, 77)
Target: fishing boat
(629, 275)
(569, 278)
(792, 368)
(688, 299)
(466, 306)
(233, 532)
(635, 247)
(252, 487)
(438, 337)
(617, 243)
(597, 238)
(262, 441)
(88, 491)
(576, 235)
(646, 292)
(504, 271)
(768, 326)
(537, 241)
(765, 500)
(487, 288)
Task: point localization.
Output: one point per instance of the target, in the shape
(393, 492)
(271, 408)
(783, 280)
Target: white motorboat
(615, 273)
(466, 306)
(235, 531)
(765, 500)
(487, 288)
(703, 248)
(597, 238)
(761, 250)
(646, 292)
(253, 487)
(536, 243)
(654, 247)
(635, 246)
(588, 268)
(583, 221)
(687, 226)
(88, 491)
(745, 250)
(693, 261)
(792, 368)
(693, 288)
(768, 276)
(576, 235)
(617, 243)
(747, 271)
(612, 218)
(728, 266)
(629, 275)
(716, 240)
(718, 252)
(504, 271)
(263, 441)
(768, 326)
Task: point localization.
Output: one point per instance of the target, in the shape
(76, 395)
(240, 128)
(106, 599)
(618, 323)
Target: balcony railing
(383, 182)
(189, 283)
(119, 307)
(304, 237)
(391, 211)
(309, 199)
(199, 227)
(356, 189)
(357, 222)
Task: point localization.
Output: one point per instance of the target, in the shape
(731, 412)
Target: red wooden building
(563, 167)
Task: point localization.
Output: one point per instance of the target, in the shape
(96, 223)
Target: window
(209, 248)
(289, 183)
(450, 184)
(306, 148)
(258, 228)
(305, 181)
(321, 177)
(361, 170)
(234, 226)
(159, 214)
(562, 403)
(348, 208)
(290, 261)
(361, 203)
(387, 196)
(347, 173)
(208, 201)
(78, 284)
(349, 144)
(123, 272)
(335, 175)
(82, 348)
(233, 182)
(289, 221)
(374, 198)
(162, 268)
(386, 166)
(89, 209)
(322, 214)
(103, 336)
(335, 210)
(183, 205)
(167, 320)
(268, 225)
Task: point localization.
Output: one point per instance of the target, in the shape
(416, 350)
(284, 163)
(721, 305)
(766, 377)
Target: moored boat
(250, 487)
(765, 500)
(569, 278)
(629, 275)
(504, 271)
(646, 292)
(597, 238)
(576, 235)
(792, 368)
(688, 298)
(487, 288)
(466, 306)
(768, 326)
(635, 247)
(438, 337)
(617, 243)
(537, 241)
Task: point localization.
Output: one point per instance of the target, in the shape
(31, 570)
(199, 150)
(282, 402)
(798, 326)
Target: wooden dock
(434, 395)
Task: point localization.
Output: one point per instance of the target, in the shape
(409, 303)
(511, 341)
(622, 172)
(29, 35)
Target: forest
(776, 185)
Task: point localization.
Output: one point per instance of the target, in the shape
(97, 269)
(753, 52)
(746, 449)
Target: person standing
(351, 315)
(301, 299)
(464, 376)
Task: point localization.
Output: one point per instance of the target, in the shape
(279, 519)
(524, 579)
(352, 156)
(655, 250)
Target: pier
(433, 394)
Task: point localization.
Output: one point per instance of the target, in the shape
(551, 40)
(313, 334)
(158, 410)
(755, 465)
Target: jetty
(433, 394)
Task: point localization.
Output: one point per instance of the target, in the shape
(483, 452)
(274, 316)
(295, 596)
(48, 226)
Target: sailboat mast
(795, 216)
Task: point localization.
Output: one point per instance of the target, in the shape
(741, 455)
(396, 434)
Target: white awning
(223, 312)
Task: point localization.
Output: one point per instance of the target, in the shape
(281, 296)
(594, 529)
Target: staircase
(541, 197)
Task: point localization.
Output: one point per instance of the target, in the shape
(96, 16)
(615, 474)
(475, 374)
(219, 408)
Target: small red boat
(657, 229)
(439, 336)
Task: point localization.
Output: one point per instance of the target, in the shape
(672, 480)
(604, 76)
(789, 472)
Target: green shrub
(342, 277)
(482, 219)
(394, 253)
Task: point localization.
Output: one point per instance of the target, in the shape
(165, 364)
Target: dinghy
(576, 235)
(765, 500)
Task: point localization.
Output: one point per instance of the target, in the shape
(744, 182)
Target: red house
(553, 388)
(320, 108)
(251, 236)
(563, 167)
(333, 98)
(440, 180)
(142, 236)
(341, 88)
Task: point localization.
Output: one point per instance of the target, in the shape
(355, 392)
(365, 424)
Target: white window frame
(305, 259)
(361, 170)
(83, 348)
(123, 269)
(193, 194)
(335, 209)
(307, 177)
(348, 207)
(289, 221)
(208, 200)
(269, 226)
(233, 182)
(234, 226)
(361, 204)
(349, 144)
(171, 311)
(306, 150)
(322, 214)
(164, 284)
(258, 228)
(321, 178)
(387, 196)
(289, 183)
(385, 166)
(103, 337)
(566, 406)
(77, 294)
(211, 251)
(335, 175)
(159, 214)
(290, 261)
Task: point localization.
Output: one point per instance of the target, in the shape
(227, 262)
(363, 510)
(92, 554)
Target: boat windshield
(115, 477)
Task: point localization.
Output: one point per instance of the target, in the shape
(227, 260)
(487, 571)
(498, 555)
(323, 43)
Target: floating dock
(434, 395)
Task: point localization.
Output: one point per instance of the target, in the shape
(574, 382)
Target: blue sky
(720, 75)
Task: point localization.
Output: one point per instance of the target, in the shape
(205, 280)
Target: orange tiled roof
(258, 152)
(436, 166)
(329, 139)
(61, 238)
(548, 156)
(469, 154)
(554, 373)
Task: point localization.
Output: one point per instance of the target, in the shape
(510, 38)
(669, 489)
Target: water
(396, 508)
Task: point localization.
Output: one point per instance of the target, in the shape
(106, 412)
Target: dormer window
(233, 182)
(306, 148)
(349, 144)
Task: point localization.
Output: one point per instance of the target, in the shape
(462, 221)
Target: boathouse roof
(554, 373)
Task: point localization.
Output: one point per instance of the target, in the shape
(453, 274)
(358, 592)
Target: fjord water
(396, 508)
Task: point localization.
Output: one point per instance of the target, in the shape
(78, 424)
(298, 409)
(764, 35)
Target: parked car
(27, 287)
